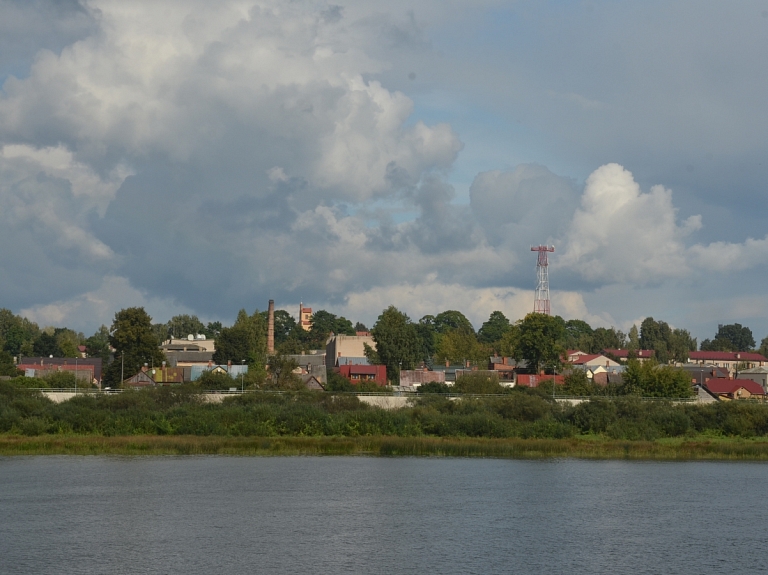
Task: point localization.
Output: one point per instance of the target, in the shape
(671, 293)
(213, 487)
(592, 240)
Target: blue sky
(201, 157)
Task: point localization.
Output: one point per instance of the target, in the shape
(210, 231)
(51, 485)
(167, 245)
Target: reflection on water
(378, 515)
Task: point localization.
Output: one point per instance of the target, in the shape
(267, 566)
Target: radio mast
(541, 299)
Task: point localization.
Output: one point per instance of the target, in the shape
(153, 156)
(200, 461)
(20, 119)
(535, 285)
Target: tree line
(401, 343)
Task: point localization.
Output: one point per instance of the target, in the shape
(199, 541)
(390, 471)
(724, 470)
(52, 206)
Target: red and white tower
(541, 299)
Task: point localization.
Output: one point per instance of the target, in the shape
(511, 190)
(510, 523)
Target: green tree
(67, 342)
(607, 338)
(45, 345)
(578, 335)
(452, 319)
(738, 336)
(427, 338)
(458, 345)
(281, 374)
(397, 343)
(360, 327)
(538, 341)
(656, 335)
(493, 330)
(135, 344)
(716, 345)
(680, 343)
(245, 340)
(7, 367)
(180, 326)
(649, 379)
(633, 343)
(478, 383)
(98, 345)
(764, 347)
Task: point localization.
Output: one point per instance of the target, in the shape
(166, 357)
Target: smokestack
(271, 328)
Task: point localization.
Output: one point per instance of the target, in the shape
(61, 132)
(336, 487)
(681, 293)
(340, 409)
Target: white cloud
(620, 234)
(98, 306)
(430, 297)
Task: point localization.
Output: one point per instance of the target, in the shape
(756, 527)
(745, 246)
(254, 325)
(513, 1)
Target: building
(757, 374)
(194, 350)
(533, 380)
(152, 376)
(346, 346)
(728, 389)
(417, 377)
(730, 360)
(88, 367)
(700, 374)
(595, 360)
(504, 367)
(232, 370)
(359, 373)
(640, 355)
(305, 317)
(312, 364)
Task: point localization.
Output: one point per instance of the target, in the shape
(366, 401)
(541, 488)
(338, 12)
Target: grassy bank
(589, 448)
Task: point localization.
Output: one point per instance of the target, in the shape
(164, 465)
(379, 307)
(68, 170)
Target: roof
(759, 369)
(363, 369)
(721, 385)
(349, 360)
(584, 359)
(624, 353)
(726, 356)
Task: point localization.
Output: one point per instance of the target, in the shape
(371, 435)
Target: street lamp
(75, 375)
(242, 379)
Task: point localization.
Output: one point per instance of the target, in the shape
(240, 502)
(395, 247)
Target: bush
(478, 383)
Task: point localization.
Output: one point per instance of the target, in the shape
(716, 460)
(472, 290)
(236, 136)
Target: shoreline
(696, 449)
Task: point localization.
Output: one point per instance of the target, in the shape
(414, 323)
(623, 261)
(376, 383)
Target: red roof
(726, 356)
(624, 353)
(721, 385)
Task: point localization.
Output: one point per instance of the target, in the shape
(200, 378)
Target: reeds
(703, 449)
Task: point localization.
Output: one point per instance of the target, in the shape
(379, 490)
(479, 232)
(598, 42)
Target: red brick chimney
(271, 328)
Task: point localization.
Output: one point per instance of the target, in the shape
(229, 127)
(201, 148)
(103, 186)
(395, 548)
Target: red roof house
(358, 373)
(734, 388)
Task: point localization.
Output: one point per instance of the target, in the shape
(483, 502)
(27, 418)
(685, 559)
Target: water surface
(65, 514)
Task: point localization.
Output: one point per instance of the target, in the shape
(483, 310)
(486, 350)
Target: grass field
(586, 448)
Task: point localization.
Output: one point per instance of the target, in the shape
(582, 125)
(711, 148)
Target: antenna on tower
(541, 299)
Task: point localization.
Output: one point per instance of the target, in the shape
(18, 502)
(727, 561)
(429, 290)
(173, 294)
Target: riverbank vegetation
(429, 425)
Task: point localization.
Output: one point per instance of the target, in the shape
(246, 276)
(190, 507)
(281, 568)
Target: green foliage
(218, 381)
(180, 326)
(7, 367)
(16, 333)
(493, 330)
(578, 335)
(281, 374)
(245, 340)
(434, 387)
(740, 337)
(538, 341)
(578, 384)
(649, 379)
(135, 345)
(338, 383)
(732, 337)
(457, 345)
(397, 343)
(607, 338)
(478, 383)
(98, 345)
(452, 320)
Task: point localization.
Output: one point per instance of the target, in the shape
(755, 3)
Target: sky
(202, 157)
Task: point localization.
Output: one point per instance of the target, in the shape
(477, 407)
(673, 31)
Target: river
(66, 514)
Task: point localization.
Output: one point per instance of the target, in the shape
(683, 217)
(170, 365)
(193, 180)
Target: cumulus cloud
(431, 296)
(620, 234)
